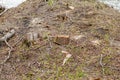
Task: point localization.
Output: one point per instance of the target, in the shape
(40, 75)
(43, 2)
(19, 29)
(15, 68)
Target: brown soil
(38, 60)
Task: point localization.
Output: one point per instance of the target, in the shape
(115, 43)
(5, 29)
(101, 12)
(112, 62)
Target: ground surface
(95, 55)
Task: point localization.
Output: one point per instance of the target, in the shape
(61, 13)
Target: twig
(101, 63)
(5, 38)
(8, 57)
(50, 45)
(9, 52)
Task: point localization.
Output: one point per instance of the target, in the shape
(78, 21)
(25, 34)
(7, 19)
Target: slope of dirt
(95, 55)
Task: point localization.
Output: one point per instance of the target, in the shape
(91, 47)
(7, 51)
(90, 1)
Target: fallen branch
(8, 56)
(101, 63)
(3, 12)
(9, 52)
(8, 35)
(5, 38)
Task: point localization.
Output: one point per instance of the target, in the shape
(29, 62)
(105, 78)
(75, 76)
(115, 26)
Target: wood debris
(61, 39)
(68, 55)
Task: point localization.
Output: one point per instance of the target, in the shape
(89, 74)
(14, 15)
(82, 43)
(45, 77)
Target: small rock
(61, 39)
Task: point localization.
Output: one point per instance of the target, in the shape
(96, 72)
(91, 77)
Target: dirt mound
(93, 30)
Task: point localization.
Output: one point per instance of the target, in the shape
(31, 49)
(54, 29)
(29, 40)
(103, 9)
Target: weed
(50, 2)
(59, 70)
(38, 79)
(77, 75)
(108, 71)
(24, 77)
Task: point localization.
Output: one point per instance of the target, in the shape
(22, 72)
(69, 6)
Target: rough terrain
(94, 43)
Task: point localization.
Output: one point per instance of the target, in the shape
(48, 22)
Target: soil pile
(92, 31)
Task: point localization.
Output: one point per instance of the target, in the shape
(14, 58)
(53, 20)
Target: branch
(8, 35)
(5, 38)
(3, 12)
(9, 52)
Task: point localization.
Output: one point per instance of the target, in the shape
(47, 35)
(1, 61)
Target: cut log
(61, 39)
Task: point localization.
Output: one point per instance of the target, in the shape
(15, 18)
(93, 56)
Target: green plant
(50, 2)
(59, 70)
(38, 79)
(24, 77)
(108, 71)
